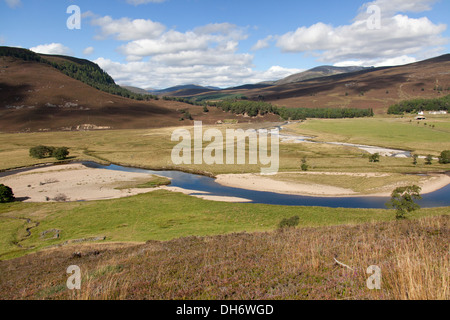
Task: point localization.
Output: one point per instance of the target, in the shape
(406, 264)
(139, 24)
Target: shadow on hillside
(10, 94)
(338, 82)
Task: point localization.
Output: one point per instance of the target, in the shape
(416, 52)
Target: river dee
(440, 198)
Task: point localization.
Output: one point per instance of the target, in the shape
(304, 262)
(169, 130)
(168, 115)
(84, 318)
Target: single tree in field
(415, 157)
(6, 194)
(41, 152)
(402, 199)
(305, 166)
(61, 153)
(445, 157)
(429, 160)
(374, 157)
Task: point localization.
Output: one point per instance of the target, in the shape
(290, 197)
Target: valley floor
(169, 245)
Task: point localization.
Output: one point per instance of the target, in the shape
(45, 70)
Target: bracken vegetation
(286, 264)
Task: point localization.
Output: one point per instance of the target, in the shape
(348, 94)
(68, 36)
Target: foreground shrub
(6, 194)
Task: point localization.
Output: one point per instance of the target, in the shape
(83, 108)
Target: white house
(438, 112)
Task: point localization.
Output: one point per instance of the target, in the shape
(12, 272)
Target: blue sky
(160, 43)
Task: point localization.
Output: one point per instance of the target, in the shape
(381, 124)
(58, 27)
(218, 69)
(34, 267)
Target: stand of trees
(41, 152)
(251, 108)
(324, 113)
(185, 100)
(416, 105)
(254, 108)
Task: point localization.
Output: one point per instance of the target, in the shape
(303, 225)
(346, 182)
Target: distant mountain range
(192, 89)
(183, 87)
(350, 87)
(318, 72)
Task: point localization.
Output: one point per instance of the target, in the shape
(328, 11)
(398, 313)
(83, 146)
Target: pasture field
(391, 132)
(152, 148)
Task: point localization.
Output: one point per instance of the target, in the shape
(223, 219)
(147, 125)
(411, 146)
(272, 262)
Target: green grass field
(384, 132)
(161, 215)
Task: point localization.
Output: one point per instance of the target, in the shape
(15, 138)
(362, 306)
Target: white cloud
(139, 2)
(205, 55)
(170, 42)
(220, 36)
(125, 29)
(399, 39)
(13, 3)
(159, 75)
(262, 44)
(52, 48)
(277, 73)
(88, 51)
(390, 7)
(210, 57)
(397, 61)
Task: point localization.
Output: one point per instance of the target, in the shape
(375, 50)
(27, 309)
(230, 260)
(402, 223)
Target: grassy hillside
(35, 96)
(163, 216)
(291, 264)
(79, 69)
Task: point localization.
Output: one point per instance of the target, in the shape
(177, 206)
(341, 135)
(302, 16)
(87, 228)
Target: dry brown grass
(289, 264)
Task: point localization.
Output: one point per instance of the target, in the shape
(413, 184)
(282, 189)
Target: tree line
(416, 105)
(255, 108)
